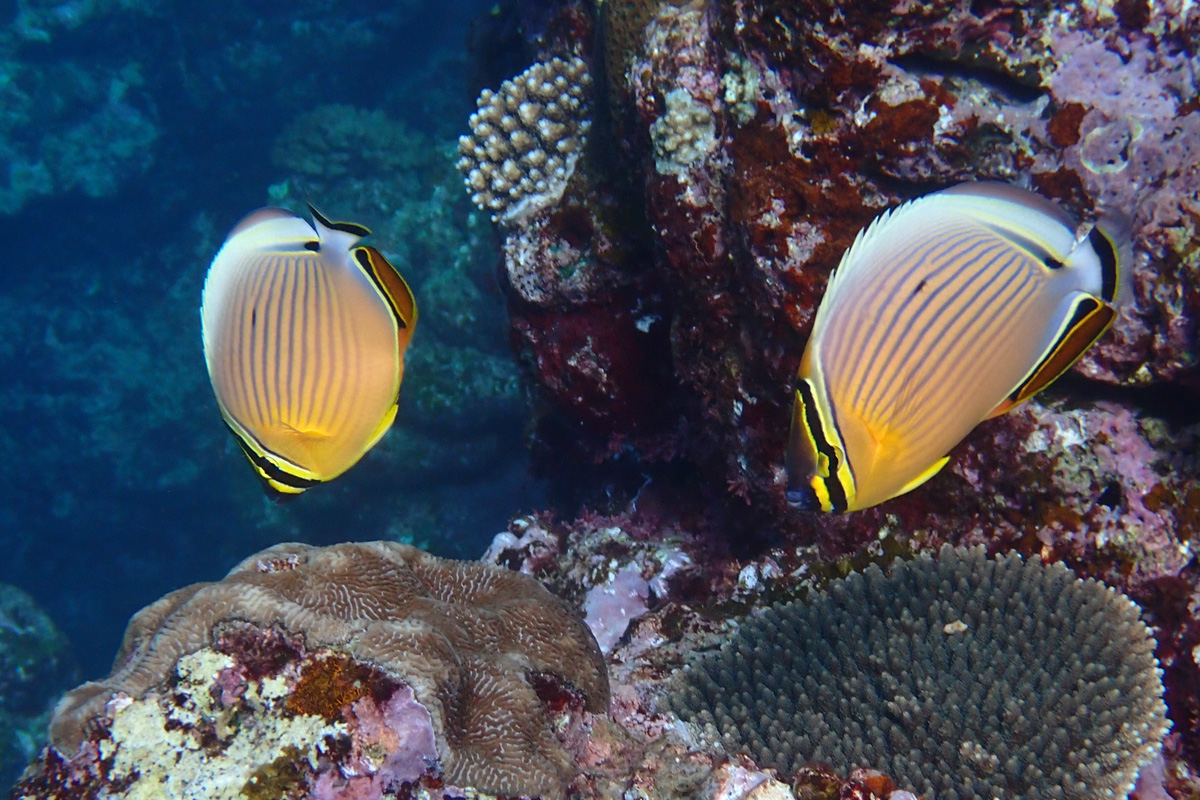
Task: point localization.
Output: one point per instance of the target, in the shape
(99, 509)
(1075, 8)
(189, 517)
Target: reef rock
(338, 672)
(746, 143)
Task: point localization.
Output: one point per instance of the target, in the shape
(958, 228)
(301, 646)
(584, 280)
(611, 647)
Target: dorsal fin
(352, 228)
(259, 216)
(391, 285)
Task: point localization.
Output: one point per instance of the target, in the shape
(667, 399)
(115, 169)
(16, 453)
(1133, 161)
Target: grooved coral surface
(465, 636)
(960, 677)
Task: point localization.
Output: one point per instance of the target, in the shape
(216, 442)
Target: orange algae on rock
(332, 684)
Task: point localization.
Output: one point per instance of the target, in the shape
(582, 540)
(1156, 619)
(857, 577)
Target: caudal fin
(1112, 240)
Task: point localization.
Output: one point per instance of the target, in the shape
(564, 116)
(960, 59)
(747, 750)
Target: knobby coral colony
(297, 636)
(961, 678)
(526, 138)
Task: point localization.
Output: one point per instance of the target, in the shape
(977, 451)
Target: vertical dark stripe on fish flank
(854, 351)
(947, 272)
(992, 324)
(336, 374)
(310, 329)
(288, 345)
(952, 280)
(324, 377)
(343, 395)
(254, 411)
(300, 343)
(283, 341)
(229, 345)
(938, 328)
(279, 355)
(268, 361)
(870, 338)
(318, 358)
(293, 348)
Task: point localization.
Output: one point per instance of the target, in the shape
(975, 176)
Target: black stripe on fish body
(1034, 249)
(1106, 251)
(800, 461)
(269, 472)
(801, 493)
(1089, 319)
(389, 282)
(973, 269)
(352, 228)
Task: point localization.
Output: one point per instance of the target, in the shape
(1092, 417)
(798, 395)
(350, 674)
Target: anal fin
(1089, 318)
(934, 469)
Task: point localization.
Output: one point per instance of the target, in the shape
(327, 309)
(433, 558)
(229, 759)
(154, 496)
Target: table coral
(961, 677)
(467, 638)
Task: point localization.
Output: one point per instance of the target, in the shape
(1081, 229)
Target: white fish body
(945, 311)
(304, 335)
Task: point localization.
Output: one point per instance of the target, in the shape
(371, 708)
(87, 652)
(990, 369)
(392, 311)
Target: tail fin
(1112, 240)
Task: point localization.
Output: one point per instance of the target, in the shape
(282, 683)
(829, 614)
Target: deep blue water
(134, 139)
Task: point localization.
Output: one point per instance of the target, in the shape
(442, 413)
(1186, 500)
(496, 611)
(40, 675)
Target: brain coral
(964, 677)
(467, 637)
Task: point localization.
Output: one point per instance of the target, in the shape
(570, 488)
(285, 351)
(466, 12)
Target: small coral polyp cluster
(525, 139)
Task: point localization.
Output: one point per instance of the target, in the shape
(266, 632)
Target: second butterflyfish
(304, 336)
(946, 311)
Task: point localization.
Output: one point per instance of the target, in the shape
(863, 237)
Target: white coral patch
(159, 746)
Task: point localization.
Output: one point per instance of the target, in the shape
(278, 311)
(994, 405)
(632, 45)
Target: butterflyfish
(304, 336)
(945, 311)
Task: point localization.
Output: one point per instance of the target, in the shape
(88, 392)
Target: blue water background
(118, 482)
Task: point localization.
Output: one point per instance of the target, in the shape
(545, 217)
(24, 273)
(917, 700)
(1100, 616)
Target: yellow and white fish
(304, 336)
(946, 311)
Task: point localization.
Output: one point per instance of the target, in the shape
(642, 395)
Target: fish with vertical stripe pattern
(946, 311)
(304, 335)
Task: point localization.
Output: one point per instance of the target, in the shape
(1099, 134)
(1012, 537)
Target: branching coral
(525, 139)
